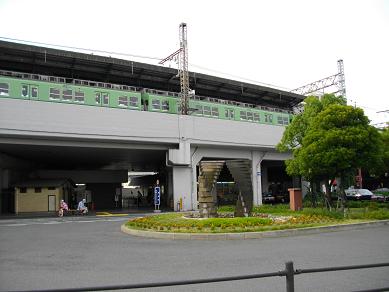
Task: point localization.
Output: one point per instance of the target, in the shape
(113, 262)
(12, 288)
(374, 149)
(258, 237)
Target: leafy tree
(330, 139)
(380, 170)
(294, 134)
(338, 142)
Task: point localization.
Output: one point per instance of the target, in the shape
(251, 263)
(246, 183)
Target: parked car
(379, 198)
(358, 194)
(384, 190)
(282, 198)
(268, 198)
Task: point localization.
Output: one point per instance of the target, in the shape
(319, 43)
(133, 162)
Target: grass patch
(226, 208)
(177, 223)
(265, 218)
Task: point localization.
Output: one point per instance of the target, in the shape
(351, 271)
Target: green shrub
(227, 208)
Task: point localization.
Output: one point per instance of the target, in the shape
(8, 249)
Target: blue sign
(157, 196)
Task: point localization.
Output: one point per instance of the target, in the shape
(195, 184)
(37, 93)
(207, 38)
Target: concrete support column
(304, 187)
(256, 159)
(195, 203)
(265, 178)
(182, 187)
(170, 188)
(1, 189)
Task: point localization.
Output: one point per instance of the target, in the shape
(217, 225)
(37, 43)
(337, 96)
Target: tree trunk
(342, 195)
(328, 195)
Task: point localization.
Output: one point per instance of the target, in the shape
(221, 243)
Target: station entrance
(120, 178)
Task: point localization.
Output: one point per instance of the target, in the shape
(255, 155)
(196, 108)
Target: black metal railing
(289, 273)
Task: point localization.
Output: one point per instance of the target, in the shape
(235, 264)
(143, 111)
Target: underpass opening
(275, 182)
(95, 174)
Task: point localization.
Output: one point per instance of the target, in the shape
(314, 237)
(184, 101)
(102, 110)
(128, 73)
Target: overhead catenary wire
(240, 78)
(81, 49)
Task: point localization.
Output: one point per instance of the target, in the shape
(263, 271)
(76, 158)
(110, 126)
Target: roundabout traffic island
(264, 221)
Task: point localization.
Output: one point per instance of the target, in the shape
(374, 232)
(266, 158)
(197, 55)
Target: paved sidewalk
(115, 212)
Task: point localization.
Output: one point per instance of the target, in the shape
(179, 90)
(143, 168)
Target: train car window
(133, 101)
(123, 101)
(215, 112)
(165, 105)
(67, 94)
(25, 90)
(268, 118)
(156, 104)
(199, 109)
(34, 92)
(250, 116)
(105, 98)
(281, 120)
(207, 111)
(54, 93)
(256, 117)
(229, 113)
(4, 89)
(243, 115)
(98, 97)
(79, 96)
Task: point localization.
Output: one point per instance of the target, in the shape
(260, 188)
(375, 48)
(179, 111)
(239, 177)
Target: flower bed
(185, 223)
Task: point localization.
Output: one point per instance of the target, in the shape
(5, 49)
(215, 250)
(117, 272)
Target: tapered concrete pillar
(257, 158)
(182, 188)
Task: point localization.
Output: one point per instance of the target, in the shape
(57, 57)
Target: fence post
(289, 276)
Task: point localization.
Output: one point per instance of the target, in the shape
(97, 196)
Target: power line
(243, 79)
(82, 49)
(240, 77)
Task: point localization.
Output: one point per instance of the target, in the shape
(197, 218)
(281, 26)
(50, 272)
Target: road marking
(64, 221)
(111, 215)
(52, 222)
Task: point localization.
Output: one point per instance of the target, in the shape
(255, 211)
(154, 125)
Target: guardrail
(289, 273)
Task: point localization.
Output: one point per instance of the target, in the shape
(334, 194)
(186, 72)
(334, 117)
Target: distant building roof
(48, 61)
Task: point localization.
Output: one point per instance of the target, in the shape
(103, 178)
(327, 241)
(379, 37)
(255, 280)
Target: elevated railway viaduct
(97, 146)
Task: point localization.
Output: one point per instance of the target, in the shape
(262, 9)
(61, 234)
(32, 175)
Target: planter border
(251, 235)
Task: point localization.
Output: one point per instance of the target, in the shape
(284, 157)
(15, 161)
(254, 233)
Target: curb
(251, 235)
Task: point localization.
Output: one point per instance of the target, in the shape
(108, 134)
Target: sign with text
(157, 196)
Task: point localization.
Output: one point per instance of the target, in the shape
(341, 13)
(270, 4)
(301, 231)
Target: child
(62, 206)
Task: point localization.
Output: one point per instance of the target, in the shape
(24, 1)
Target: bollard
(289, 276)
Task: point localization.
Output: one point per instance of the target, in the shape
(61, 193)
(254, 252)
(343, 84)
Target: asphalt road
(74, 252)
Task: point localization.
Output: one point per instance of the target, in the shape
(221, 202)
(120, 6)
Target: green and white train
(82, 92)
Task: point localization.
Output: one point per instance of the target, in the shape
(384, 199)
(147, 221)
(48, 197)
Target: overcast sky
(284, 43)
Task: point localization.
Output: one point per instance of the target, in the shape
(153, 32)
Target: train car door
(102, 98)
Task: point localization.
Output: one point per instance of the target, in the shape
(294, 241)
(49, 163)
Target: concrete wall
(24, 118)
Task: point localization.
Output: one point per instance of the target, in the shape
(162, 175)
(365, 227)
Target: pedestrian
(62, 207)
(82, 208)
